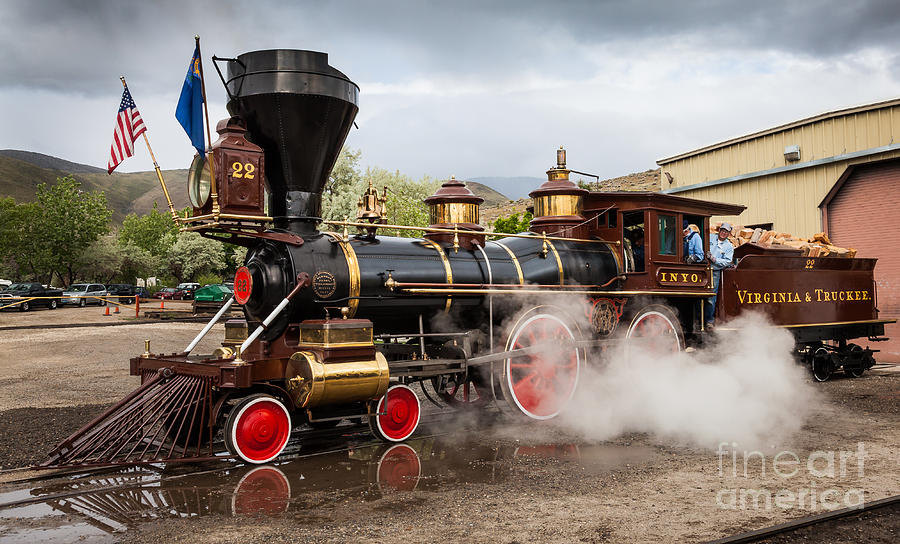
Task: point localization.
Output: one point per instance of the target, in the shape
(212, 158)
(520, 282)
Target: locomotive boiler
(341, 321)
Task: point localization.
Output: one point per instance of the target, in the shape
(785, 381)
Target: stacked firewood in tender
(817, 246)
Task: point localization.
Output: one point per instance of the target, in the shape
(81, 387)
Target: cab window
(667, 234)
(633, 240)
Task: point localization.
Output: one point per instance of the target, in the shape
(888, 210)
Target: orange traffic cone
(162, 304)
(117, 309)
(107, 310)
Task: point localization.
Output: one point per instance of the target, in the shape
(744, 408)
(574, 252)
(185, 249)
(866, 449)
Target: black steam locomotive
(341, 322)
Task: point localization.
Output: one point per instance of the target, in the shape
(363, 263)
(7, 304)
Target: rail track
(760, 535)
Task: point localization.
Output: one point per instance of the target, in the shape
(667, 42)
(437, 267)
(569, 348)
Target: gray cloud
(69, 45)
(466, 87)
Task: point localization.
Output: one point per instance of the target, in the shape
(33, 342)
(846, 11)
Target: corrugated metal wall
(788, 199)
(865, 214)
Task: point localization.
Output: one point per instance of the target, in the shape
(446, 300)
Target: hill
(512, 187)
(22, 171)
(647, 180)
(490, 196)
(53, 163)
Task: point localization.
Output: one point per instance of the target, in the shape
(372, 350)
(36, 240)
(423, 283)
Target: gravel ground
(52, 381)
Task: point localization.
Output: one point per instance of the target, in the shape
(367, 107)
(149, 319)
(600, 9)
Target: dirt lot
(539, 484)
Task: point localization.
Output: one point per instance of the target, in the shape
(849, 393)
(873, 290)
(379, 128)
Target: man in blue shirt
(693, 247)
(721, 254)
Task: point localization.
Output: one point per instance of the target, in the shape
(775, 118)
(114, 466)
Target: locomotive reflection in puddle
(368, 472)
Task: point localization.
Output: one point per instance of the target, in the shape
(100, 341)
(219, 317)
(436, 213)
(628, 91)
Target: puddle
(95, 508)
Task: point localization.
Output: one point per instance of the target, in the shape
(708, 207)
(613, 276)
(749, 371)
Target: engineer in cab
(720, 255)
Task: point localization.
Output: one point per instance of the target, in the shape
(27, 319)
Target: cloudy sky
(471, 88)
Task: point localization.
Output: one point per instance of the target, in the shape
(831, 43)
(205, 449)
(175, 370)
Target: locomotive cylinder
(316, 383)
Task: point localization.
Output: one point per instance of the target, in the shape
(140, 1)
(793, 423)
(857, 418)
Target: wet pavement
(343, 465)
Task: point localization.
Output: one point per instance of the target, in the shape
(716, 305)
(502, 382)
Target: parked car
(82, 294)
(185, 291)
(142, 292)
(124, 291)
(212, 293)
(166, 293)
(49, 296)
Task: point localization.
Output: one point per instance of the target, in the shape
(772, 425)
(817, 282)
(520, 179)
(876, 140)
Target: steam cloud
(743, 388)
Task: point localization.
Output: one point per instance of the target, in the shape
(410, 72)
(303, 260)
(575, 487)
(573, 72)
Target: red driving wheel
(258, 429)
(540, 384)
(657, 328)
(397, 414)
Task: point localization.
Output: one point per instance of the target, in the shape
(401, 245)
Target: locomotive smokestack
(299, 110)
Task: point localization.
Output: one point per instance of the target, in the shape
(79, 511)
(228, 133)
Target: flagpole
(159, 175)
(209, 158)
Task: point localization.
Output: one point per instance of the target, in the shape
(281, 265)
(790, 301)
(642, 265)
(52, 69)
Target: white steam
(745, 388)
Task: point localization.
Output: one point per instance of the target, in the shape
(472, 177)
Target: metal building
(838, 172)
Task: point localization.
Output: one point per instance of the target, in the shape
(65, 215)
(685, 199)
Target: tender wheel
(82, 303)
(397, 415)
(25, 306)
(53, 304)
(539, 385)
(258, 429)
(821, 365)
(656, 330)
(854, 364)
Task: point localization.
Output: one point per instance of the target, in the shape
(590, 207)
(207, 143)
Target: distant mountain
(135, 192)
(513, 187)
(490, 196)
(53, 163)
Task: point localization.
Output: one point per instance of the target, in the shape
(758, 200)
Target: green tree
(343, 188)
(24, 253)
(192, 254)
(345, 173)
(405, 198)
(405, 195)
(137, 262)
(106, 257)
(512, 224)
(149, 232)
(72, 220)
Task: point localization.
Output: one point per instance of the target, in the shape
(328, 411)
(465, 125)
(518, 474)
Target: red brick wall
(865, 214)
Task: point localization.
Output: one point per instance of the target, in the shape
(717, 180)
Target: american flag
(129, 126)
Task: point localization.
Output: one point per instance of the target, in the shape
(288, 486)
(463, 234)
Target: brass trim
(447, 213)
(354, 337)
(433, 291)
(469, 231)
(353, 271)
(619, 268)
(558, 205)
(447, 269)
(515, 261)
(558, 262)
(863, 322)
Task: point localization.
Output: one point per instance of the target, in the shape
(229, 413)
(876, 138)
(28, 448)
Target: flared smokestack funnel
(299, 110)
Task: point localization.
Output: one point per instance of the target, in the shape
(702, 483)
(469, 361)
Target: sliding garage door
(865, 214)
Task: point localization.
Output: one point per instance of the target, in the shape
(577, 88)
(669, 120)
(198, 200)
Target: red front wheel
(397, 414)
(258, 429)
